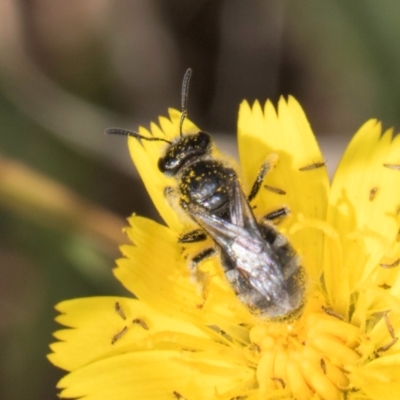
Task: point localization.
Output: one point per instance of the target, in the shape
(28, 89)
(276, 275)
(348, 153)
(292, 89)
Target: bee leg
(194, 236)
(199, 277)
(276, 215)
(270, 163)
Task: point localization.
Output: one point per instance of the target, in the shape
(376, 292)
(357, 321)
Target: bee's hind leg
(196, 236)
(201, 278)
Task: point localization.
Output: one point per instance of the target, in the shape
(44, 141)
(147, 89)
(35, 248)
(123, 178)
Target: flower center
(306, 357)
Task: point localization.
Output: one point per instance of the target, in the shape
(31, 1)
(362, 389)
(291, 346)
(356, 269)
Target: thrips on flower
(119, 310)
(313, 166)
(207, 344)
(119, 335)
(141, 323)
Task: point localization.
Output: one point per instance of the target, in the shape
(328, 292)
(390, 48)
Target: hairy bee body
(259, 263)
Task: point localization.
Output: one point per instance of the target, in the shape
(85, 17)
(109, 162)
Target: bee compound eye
(162, 165)
(183, 151)
(171, 163)
(203, 141)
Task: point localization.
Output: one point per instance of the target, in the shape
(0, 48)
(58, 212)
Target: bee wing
(248, 252)
(240, 211)
(224, 233)
(242, 221)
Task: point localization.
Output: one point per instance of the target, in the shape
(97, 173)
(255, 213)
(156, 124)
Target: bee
(259, 263)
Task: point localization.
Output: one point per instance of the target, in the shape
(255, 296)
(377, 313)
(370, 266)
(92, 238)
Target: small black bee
(259, 263)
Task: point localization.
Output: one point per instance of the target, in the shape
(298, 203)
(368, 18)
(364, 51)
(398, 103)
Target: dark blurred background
(70, 69)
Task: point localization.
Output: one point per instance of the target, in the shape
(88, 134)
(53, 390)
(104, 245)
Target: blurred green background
(70, 69)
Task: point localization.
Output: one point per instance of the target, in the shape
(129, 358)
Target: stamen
(335, 349)
(280, 365)
(265, 371)
(297, 383)
(391, 333)
(280, 381)
(309, 361)
(342, 330)
(386, 347)
(336, 375)
(319, 382)
(331, 313)
(389, 325)
(255, 347)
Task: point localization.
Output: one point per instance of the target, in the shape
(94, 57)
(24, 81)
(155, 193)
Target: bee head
(184, 150)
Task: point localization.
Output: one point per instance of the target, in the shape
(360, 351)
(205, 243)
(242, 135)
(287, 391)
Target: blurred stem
(33, 195)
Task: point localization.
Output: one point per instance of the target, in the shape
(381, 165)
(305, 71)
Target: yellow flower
(185, 338)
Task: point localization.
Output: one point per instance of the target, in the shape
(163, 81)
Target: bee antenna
(184, 97)
(124, 132)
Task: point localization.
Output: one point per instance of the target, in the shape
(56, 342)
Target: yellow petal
(289, 136)
(363, 206)
(103, 327)
(379, 379)
(146, 154)
(155, 271)
(156, 375)
(189, 337)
